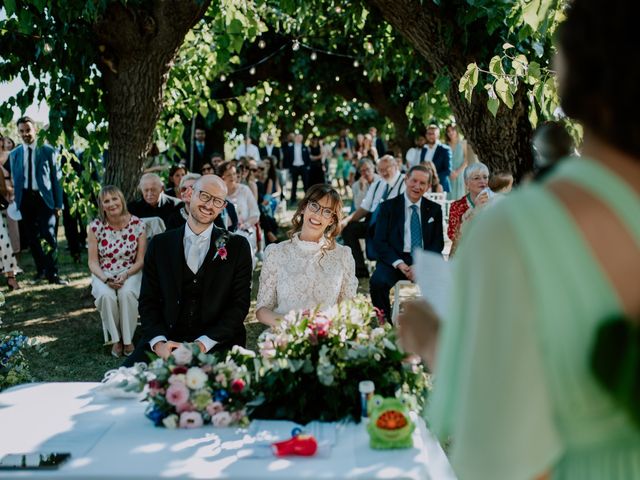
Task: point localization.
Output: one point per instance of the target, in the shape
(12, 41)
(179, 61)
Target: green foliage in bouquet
(309, 366)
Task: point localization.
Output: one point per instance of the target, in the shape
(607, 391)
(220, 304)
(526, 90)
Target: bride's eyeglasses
(315, 207)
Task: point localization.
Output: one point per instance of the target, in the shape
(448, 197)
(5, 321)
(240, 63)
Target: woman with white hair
(476, 180)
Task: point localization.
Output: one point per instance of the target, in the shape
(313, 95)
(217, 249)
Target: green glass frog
(390, 425)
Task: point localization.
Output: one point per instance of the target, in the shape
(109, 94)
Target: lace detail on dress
(297, 275)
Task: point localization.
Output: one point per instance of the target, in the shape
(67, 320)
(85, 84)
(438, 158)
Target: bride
(310, 269)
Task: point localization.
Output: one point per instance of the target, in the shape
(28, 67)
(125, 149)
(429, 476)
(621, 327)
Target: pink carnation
(177, 394)
(222, 253)
(190, 420)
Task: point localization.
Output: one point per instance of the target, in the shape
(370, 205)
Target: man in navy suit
(439, 154)
(270, 150)
(377, 142)
(38, 195)
(297, 161)
(405, 223)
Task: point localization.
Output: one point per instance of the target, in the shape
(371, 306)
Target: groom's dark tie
(30, 170)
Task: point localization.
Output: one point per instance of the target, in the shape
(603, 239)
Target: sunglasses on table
(205, 198)
(315, 207)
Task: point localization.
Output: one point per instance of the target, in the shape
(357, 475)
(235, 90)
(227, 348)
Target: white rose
(182, 355)
(222, 419)
(196, 378)
(171, 421)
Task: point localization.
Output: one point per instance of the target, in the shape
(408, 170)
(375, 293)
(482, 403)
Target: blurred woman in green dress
(518, 385)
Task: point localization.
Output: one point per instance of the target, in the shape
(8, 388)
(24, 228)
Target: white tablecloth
(111, 438)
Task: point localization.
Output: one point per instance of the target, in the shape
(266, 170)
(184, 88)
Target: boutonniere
(221, 246)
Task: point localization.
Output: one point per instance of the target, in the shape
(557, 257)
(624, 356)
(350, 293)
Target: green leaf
(492, 102)
(10, 7)
(495, 66)
(533, 116)
(503, 92)
(267, 88)
(520, 65)
(507, 46)
(232, 108)
(235, 27)
(533, 73)
(468, 81)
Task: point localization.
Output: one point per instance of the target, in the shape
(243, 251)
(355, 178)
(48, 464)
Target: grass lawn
(64, 319)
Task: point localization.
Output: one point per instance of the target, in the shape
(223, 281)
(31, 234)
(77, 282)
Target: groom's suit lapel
(210, 265)
(177, 259)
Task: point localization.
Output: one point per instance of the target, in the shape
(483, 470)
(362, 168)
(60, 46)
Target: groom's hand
(164, 349)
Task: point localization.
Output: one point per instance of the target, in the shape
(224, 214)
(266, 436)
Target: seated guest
(117, 243)
(434, 181)
(501, 182)
(405, 223)
(207, 169)
(227, 220)
(268, 195)
(199, 295)
(388, 186)
(154, 202)
(244, 201)
(476, 180)
(361, 186)
(176, 172)
(216, 160)
(310, 269)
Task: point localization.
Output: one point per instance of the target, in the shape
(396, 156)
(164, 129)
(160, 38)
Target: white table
(111, 438)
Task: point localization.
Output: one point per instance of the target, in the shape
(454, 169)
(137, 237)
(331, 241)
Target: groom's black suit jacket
(226, 289)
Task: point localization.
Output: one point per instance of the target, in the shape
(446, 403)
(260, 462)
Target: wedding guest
(343, 164)
(434, 181)
(361, 186)
(7, 255)
(310, 269)
(412, 156)
(501, 181)
(476, 180)
(154, 202)
(368, 149)
(377, 141)
(38, 196)
(201, 295)
(405, 223)
(439, 154)
(531, 382)
(458, 160)
(207, 169)
(551, 143)
(117, 243)
(247, 149)
(316, 168)
(176, 172)
(6, 145)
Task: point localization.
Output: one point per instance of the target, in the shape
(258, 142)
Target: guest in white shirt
(413, 154)
(361, 186)
(247, 149)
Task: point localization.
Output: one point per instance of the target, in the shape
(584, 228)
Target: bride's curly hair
(315, 194)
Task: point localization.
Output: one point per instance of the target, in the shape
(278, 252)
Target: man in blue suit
(439, 154)
(405, 223)
(38, 195)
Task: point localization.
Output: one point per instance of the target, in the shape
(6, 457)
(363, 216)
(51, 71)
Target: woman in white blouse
(310, 269)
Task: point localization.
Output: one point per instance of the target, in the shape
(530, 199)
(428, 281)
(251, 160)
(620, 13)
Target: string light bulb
(262, 44)
(231, 84)
(252, 71)
(296, 46)
(356, 63)
(337, 78)
(223, 77)
(314, 56)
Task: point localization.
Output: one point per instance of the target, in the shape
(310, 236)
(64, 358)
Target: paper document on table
(435, 279)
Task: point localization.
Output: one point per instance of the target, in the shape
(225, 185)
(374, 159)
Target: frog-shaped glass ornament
(390, 425)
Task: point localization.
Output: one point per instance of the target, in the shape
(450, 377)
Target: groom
(196, 282)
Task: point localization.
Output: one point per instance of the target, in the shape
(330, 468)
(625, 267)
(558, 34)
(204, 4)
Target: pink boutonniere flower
(221, 246)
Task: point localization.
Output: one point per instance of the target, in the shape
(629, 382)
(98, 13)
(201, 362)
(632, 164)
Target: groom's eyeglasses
(206, 198)
(315, 207)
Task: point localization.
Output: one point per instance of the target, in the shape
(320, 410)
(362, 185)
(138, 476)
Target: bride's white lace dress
(299, 275)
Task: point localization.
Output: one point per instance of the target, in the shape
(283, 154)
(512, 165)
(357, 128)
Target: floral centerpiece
(310, 365)
(191, 389)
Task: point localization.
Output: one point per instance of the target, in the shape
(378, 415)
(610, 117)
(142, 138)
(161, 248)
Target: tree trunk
(138, 47)
(501, 142)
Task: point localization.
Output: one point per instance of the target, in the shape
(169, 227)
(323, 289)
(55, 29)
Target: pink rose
(182, 355)
(237, 385)
(222, 253)
(221, 419)
(177, 394)
(185, 407)
(214, 408)
(190, 420)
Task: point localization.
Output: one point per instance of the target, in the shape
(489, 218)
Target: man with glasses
(196, 283)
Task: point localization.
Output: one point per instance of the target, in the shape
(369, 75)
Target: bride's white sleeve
(267, 295)
(349, 285)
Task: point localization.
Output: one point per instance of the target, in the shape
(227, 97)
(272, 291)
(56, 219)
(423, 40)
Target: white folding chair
(395, 309)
